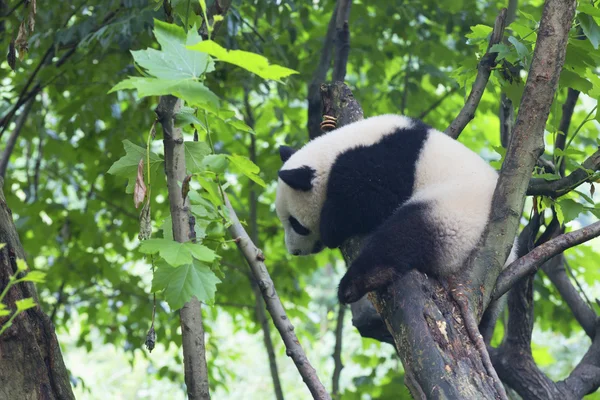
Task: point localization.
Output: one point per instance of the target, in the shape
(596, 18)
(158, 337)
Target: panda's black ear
(298, 178)
(285, 152)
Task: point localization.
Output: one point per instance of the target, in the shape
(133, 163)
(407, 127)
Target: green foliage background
(67, 188)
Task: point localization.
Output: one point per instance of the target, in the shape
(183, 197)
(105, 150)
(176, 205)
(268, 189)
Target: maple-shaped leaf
(182, 283)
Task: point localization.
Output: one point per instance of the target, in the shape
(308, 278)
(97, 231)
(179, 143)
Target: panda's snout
(296, 252)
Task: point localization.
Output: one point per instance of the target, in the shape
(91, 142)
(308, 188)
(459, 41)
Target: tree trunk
(192, 329)
(31, 364)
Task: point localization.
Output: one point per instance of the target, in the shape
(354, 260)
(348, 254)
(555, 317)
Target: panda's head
(300, 197)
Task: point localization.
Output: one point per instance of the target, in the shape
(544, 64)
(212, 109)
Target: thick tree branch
(484, 70)
(525, 146)
(314, 99)
(534, 259)
(513, 359)
(294, 349)
(559, 187)
(585, 378)
(556, 271)
(192, 330)
(526, 243)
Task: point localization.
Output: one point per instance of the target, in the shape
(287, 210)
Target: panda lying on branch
(422, 198)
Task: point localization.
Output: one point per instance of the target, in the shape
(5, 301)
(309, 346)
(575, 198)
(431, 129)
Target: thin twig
(555, 268)
(436, 103)
(484, 70)
(12, 139)
(255, 259)
(534, 259)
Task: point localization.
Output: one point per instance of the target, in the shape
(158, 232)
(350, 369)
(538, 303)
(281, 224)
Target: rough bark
(192, 330)
(31, 363)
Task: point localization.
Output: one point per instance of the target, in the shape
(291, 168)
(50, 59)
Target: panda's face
(298, 204)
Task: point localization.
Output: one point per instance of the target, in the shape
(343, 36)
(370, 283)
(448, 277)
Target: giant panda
(421, 199)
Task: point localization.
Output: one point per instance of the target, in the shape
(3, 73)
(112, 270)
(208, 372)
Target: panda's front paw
(349, 291)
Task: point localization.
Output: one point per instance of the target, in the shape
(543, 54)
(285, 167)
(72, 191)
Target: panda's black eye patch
(297, 226)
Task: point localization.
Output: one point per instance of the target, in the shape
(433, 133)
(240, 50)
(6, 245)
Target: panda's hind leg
(403, 241)
(434, 232)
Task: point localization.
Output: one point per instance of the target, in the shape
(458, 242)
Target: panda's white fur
(450, 185)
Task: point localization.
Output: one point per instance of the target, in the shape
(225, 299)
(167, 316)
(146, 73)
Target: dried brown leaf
(139, 192)
(21, 41)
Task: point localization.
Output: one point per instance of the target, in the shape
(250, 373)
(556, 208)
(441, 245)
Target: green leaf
(239, 125)
(588, 9)
(173, 252)
(216, 163)
(174, 61)
(503, 51)
(34, 276)
(570, 209)
(25, 304)
(2, 245)
(247, 167)
(167, 228)
(212, 189)
(176, 253)
(127, 165)
(590, 29)
(195, 152)
(573, 80)
(479, 32)
(201, 252)
(186, 117)
(520, 29)
(522, 50)
(21, 265)
(193, 92)
(182, 283)
(252, 62)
